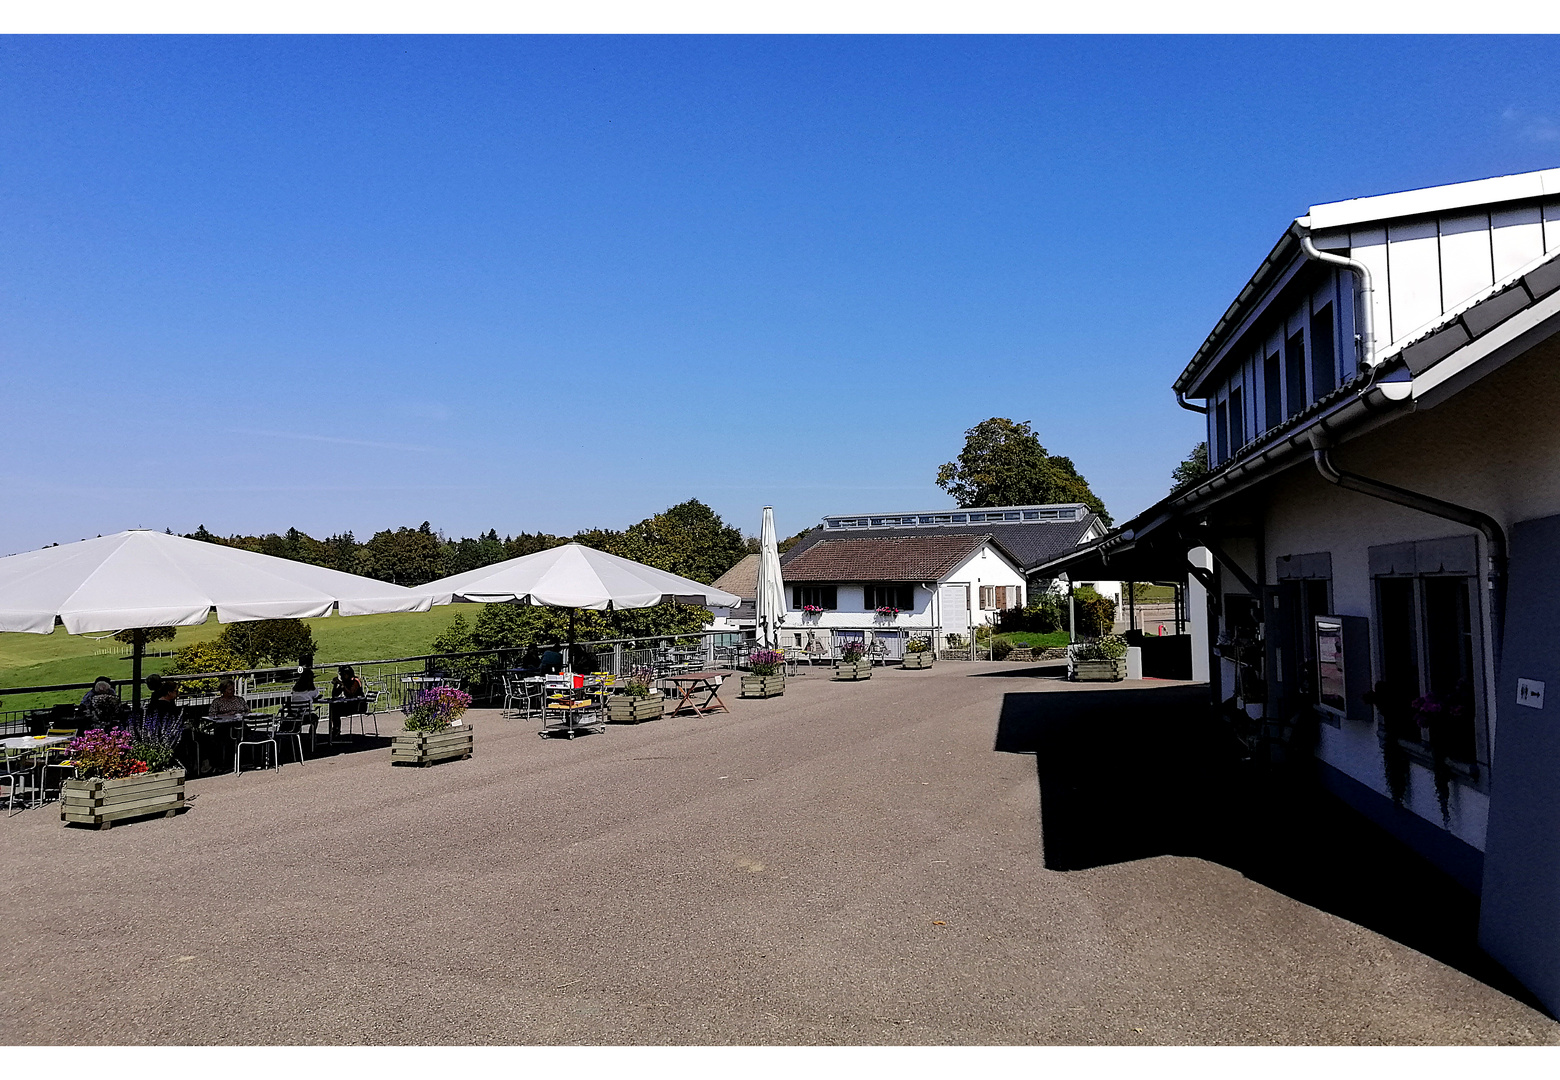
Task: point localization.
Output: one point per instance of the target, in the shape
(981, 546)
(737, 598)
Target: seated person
(227, 703)
(532, 660)
(346, 684)
(581, 659)
(101, 707)
(304, 689)
(552, 659)
(85, 698)
(163, 706)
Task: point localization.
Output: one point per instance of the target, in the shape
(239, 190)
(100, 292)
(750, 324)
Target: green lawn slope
(45, 659)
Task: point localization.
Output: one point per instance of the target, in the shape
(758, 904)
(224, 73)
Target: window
(1426, 609)
(819, 596)
(1324, 371)
(1221, 426)
(1000, 597)
(891, 595)
(1237, 421)
(1273, 391)
(1294, 372)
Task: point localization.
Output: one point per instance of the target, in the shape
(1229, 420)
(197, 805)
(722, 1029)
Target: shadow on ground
(1133, 773)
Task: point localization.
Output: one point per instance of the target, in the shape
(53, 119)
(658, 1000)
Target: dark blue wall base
(1459, 860)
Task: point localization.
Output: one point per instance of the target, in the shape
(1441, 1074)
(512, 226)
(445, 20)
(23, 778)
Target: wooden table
(691, 683)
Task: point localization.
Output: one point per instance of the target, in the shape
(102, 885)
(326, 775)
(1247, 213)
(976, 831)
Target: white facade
(954, 603)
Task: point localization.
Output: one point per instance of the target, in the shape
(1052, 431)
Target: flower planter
(761, 686)
(1100, 670)
(914, 660)
(847, 671)
(427, 747)
(622, 709)
(102, 802)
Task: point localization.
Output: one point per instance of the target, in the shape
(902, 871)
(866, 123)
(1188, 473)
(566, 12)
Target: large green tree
(1003, 464)
(406, 556)
(1192, 469)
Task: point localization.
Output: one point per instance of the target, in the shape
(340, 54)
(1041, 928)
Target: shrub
(852, 651)
(437, 709)
(269, 641)
(105, 754)
(955, 641)
(637, 683)
(1000, 649)
(202, 656)
(1109, 647)
(918, 645)
(766, 662)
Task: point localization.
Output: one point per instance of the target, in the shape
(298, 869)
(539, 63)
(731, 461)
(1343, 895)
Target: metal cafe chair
(20, 776)
(257, 731)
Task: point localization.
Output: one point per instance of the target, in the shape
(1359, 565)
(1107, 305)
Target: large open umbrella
(770, 606)
(574, 576)
(142, 578)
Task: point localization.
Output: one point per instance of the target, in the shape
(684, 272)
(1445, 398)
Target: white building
(890, 576)
(1383, 516)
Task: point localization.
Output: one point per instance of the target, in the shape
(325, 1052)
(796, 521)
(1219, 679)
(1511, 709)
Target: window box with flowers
(433, 730)
(853, 663)
(765, 676)
(123, 774)
(638, 701)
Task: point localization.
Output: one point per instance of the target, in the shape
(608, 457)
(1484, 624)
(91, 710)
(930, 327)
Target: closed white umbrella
(575, 576)
(142, 578)
(770, 607)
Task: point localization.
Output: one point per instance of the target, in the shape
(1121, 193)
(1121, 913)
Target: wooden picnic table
(690, 683)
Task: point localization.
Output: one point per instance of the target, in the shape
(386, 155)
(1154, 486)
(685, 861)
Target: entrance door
(953, 601)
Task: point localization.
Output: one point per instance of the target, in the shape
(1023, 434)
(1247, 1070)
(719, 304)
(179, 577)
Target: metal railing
(397, 680)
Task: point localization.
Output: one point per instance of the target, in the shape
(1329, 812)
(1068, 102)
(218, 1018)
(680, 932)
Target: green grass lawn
(1022, 639)
(44, 659)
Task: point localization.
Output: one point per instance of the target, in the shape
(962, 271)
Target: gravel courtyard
(851, 863)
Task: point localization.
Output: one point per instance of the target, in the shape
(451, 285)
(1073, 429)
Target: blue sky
(554, 283)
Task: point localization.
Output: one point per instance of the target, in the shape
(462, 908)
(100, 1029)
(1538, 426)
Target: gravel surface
(850, 863)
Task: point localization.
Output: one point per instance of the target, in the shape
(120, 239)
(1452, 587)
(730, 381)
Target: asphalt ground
(852, 863)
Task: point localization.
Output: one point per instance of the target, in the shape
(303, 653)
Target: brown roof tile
(899, 558)
(741, 579)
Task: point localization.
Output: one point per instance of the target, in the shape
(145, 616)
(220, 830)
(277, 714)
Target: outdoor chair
(290, 723)
(514, 692)
(370, 714)
(19, 777)
(259, 731)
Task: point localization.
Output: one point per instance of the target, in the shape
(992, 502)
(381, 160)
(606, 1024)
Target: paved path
(851, 863)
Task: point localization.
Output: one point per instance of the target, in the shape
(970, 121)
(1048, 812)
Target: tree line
(688, 539)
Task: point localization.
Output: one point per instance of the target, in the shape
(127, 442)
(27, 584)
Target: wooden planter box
(426, 747)
(102, 802)
(1100, 670)
(861, 669)
(622, 709)
(915, 660)
(762, 686)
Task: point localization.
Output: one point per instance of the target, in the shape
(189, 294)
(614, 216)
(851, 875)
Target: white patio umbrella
(575, 576)
(770, 608)
(142, 578)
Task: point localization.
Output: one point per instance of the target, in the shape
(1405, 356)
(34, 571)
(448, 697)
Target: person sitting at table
(227, 703)
(346, 684)
(552, 659)
(94, 689)
(582, 659)
(102, 705)
(163, 706)
(305, 684)
(532, 660)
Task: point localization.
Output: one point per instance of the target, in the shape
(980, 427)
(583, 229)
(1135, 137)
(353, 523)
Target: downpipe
(1494, 535)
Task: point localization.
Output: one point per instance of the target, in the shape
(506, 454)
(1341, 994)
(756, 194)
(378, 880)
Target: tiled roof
(1027, 544)
(885, 558)
(741, 579)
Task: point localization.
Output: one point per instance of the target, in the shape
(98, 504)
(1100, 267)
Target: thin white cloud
(1530, 126)
(339, 441)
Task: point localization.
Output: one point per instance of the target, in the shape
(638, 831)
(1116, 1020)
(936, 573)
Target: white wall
(1197, 615)
(1494, 447)
(986, 567)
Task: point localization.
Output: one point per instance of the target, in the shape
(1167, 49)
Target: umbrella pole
(136, 649)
